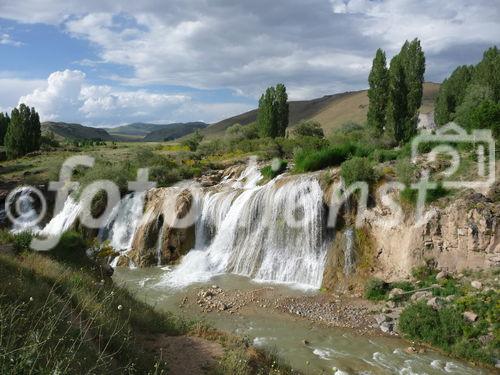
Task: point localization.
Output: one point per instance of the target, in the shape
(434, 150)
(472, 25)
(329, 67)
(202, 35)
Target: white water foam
(64, 219)
(245, 230)
(122, 222)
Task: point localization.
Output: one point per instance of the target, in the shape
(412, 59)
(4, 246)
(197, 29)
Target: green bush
(308, 129)
(308, 160)
(22, 241)
(277, 167)
(357, 169)
(376, 289)
(193, 140)
(71, 249)
(446, 329)
(411, 195)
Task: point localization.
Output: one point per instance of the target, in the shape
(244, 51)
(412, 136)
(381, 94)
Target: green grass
(277, 167)
(376, 289)
(447, 329)
(59, 314)
(308, 160)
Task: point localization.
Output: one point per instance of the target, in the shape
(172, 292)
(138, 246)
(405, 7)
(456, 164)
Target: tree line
(395, 93)
(470, 96)
(21, 132)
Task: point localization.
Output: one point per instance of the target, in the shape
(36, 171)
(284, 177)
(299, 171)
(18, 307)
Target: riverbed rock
(123, 261)
(470, 316)
(387, 327)
(411, 350)
(435, 302)
(476, 284)
(442, 275)
(395, 293)
(420, 296)
(167, 215)
(381, 318)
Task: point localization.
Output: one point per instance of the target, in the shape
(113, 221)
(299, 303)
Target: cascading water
(349, 252)
(122, 222)
(27, 213)
(275, 232)
(64, 219)
(159, 245)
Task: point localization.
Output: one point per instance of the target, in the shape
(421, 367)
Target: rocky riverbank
(333, 310)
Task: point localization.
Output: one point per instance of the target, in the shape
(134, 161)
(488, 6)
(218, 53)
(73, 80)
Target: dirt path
(184, 354)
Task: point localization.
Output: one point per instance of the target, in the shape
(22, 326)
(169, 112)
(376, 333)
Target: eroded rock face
(166, 231)
(463, 235)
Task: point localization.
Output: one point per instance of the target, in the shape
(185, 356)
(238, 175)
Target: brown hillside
(331, 111)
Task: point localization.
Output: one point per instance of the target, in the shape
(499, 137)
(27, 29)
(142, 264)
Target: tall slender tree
(414, 68)
(378, 93)
(272, 117)
(4, 124)
(24, 132)
(282, 110)
(397, 104)
(406, 79)
(266, 118)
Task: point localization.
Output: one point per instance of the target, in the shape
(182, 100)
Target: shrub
(22, 241)
(308, 129)
(193, 140)
(357, 169)
(411, 195)
(307, 160)
(376, 289)
(71, 249)
(277, 167)
(442, 328)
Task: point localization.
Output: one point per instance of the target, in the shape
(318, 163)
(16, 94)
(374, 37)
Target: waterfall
(122, 222)
(349, 252)
(159, 245)
(64, 219)
(255, 231)
(27, 214)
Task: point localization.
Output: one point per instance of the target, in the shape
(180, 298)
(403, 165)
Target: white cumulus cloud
(67, 96)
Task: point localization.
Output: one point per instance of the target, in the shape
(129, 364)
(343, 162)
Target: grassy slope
(58, 313)
(331, 111)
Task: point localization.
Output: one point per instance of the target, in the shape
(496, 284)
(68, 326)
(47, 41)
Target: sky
(109, 62)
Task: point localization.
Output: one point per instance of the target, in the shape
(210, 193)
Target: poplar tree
(378, 93)
(414, 68)
(406, 78)
(272, 117)
(397, 104)
(24, 132)
(282, 110)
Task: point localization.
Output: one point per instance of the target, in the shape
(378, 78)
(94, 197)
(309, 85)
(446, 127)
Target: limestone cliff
(159, 239)
(462, 235)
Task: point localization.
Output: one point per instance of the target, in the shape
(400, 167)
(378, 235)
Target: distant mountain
(139, 132)
(331, 111)
(173, 131)
(139, 129)
(63, 130)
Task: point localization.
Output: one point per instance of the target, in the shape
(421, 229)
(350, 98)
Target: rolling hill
(67, 131)
(138, 132)
(331, 111)
(173, 131)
